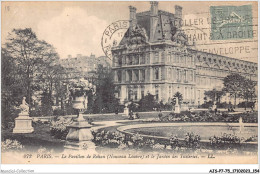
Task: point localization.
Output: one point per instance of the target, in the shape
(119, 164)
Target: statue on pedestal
(23, 123)
(177, 106)
(126, 110)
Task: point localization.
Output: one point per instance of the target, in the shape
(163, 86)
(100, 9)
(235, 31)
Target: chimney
(153, 19)
(132, 15)
(154, 8)
(178, 11)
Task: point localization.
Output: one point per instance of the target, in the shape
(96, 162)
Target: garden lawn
(111, 117)
(39, 138)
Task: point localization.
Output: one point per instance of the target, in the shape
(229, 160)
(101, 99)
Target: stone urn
(80, 136)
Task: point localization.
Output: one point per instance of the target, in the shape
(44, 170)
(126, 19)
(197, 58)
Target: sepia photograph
(129, 82)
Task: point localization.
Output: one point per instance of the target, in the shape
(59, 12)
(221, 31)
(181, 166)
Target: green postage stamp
(231, 22)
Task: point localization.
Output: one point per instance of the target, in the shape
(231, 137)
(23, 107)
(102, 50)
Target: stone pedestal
(23, 124)
(177, 109)
(126, 111)
(214, 106)
(80, 137)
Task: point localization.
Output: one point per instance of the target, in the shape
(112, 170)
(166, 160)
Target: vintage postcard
(129, 82)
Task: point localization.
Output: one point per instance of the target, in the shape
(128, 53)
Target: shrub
(252, 139)
(218, 141)
(148, 144)
(11, 145)
(192, 140)
(8, 116)
(137, 140)
(206, 105)
(36, 112)
(246, 104)
(174, 141)
(59, 128)
(107, 138)
(162, 117)
(58, 112)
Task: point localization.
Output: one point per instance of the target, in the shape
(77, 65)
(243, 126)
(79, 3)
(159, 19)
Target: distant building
(84, 64)
(154, 56)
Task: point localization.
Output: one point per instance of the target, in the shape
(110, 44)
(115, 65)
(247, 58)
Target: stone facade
(84, 64)
(154, 56)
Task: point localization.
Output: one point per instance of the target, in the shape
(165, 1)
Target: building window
(169, 57)
(129, 75)
(178, 75)
(130, 93)
(119, 91)
(185, 92)
(170, 91)
(142, 91)
(157, 94)
(156, 73)
(156, 57)
(169, 73)
(120, 61)
(135, 94)
(142, 57)
(143, 75)
(136, 75)
(136, 60)
(185, 75)
(127, 60)
(177, 59)
(131, 60)
(119, 76)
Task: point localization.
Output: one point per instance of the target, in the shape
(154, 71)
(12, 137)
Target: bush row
(206, 116)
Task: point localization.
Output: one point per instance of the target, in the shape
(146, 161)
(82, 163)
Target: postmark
(231, 22)
(112, 36)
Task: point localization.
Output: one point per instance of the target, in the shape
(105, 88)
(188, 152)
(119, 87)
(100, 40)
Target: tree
(12, 89)
(179, 96)
(147, 103)
(214, 95)
(105, 100)
(248, 91)
(30, 54)
(234, 84)
(49, 80)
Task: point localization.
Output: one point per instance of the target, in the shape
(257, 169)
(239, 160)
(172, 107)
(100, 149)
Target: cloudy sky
(77, 27)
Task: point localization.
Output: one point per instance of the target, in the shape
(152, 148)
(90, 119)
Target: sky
(77, 27)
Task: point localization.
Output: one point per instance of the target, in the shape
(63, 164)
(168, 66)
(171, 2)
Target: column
(115, 76)
(123, 93)
(139, 75)
(139, 96)
(151, 74)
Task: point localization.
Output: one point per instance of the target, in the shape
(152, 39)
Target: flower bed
(10, 145)
(189, 143)
(206, 116)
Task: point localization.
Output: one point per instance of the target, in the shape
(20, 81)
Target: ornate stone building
(84, 64)
(155, 56)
